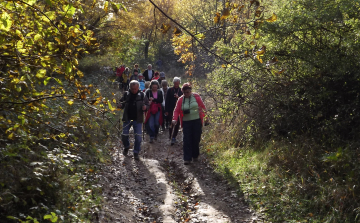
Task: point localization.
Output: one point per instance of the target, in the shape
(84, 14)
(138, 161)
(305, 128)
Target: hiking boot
(173, 141)
(186, 162)
(136, 156)
(155, 138)
(125, 151)
(195, 159)
(151, 140)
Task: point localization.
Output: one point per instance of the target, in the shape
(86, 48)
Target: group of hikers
(156, 105)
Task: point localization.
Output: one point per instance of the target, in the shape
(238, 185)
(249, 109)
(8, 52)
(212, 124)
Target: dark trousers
(177, 126)
(191, 138)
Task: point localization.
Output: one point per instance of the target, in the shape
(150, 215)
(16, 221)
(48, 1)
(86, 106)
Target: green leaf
(69, 10)
(123, 6)
(5, 22)
(53, 217)
(41, 73)
(30, 2)
(68, 68)
(59, 81)
(46, 81)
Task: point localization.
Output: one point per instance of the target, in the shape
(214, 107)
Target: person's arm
(167, 101)
(146, 102)
(122, 101)
(177, 109)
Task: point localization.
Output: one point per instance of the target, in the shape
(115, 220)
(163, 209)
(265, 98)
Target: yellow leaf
(225, 14)
(106, 6)
(165, 28)
(11, 136)
(261, 51)
(217, 18)
(273, 18)
(41, 73)
(114, 100)
(70, 102)
(177, 31)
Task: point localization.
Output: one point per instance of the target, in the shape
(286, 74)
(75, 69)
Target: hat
(162, 74)
(140, 75)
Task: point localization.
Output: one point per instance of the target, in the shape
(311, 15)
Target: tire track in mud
(159, 188)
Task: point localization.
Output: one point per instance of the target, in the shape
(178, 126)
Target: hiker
(119, 78)
(164, 88)
(162, 77)
(153, 116)
(149, 73)
(171, 98)
(147, 85)
(142, 82)
(136, 67)
(159, 64)
(134, 102)
(126, 80)
(191, 109)
(134, 76)
(156, 77)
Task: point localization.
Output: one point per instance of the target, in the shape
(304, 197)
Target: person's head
(147, 84)
(176, 82)
(140, 76)
(154, 85)
(136, 71)
(149, 67)
(136, 66)
(164, 84)
(162, 75)
(134, 86)
(127, 70)
(186, 89)
(157, 74)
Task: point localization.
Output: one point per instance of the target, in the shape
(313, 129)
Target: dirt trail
(159, 188)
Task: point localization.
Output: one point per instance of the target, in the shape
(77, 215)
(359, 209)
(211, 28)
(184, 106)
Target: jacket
(179, 112)
(145, 74)
(141, 100)
(170, 100)
(155, 103)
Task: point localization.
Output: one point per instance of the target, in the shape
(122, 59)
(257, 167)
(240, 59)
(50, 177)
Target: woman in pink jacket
(191, 110)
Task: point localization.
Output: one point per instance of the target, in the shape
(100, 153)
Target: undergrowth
(289, 181)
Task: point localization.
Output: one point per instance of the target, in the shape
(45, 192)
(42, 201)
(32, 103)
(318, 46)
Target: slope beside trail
(160, 188)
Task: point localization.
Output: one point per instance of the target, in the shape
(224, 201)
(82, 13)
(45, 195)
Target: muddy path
(160, 188)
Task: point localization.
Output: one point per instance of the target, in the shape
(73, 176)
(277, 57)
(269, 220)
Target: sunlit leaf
(5, 21)
(59, 81)
(177, 31)
(261, 51)
(106, 6)
(46, 81)
(41, 73)
(273, 18)
(165, 28)
(110, 106)
(70, 102)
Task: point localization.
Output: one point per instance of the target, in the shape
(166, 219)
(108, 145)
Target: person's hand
(176, 96)
(144, 107)
(151, 98)
(174, 122)
(166, 113)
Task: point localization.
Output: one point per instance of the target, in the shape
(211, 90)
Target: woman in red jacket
(191, 109)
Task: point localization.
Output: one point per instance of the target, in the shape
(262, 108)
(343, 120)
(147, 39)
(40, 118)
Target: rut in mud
(159, 188)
